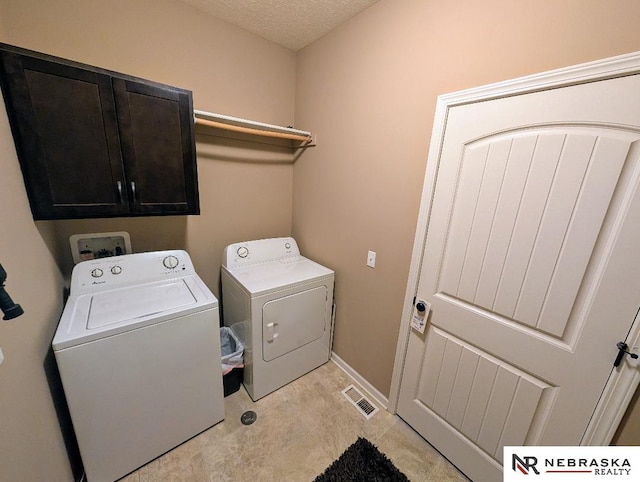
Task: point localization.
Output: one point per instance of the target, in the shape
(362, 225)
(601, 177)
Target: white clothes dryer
(280, 303)
(138, 350)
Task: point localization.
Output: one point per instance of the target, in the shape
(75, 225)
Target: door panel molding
(623, 382)
(470, 394)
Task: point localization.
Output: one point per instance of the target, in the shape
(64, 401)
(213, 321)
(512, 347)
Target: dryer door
(293, 321)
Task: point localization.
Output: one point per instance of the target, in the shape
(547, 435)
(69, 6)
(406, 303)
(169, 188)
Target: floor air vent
(364, 406)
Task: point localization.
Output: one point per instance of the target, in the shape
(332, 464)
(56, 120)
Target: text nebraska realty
(602, 466)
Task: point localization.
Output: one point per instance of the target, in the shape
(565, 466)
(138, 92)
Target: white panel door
(530, 264)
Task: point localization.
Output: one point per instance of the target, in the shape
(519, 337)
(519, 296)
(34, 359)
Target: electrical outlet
(371, 259)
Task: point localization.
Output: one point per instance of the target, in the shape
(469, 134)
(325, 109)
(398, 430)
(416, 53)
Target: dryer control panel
(259, 251)
(130, 269)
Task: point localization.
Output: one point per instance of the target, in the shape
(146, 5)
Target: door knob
(622, 349)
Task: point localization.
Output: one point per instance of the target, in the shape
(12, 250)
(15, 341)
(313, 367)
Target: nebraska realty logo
(571, 463)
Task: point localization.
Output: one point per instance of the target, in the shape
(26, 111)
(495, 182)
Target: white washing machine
(281, 304)
(138, 349)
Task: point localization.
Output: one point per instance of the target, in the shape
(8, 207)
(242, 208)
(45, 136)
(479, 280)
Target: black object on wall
(8, 307)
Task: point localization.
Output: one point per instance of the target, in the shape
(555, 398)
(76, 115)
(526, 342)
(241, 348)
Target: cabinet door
(158, 147)
(64, 122)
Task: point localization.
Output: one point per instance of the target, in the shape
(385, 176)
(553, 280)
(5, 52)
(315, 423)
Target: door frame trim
(623, 382)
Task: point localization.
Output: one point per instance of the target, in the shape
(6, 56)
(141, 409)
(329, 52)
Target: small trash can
(232, 360)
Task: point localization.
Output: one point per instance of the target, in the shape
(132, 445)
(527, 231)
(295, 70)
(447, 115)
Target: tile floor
(300, 430)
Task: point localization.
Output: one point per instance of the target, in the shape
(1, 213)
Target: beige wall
(31, 445)
(245, 188)
(628, 432)
(243, 194)
(369, 90)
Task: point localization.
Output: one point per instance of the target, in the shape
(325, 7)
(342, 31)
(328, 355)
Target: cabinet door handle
(119, 184)
(133, 192)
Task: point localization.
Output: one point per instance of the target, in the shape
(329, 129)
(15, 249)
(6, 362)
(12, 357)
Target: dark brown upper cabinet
(95, 143)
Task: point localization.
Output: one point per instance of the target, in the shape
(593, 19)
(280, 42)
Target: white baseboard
(372, 391)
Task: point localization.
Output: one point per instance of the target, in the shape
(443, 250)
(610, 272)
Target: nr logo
(524, 464)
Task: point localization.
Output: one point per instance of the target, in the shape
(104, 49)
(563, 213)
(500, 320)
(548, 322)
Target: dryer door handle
(271, 333)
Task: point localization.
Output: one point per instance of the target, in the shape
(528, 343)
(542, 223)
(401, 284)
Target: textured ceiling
(291, 23)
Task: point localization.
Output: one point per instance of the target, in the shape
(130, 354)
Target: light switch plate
(371, 259)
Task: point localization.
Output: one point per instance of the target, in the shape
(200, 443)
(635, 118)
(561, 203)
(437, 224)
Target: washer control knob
(97, 272)
(170, 262)
(116, 269)
(242, 251)
(287, 245)
(421, 307)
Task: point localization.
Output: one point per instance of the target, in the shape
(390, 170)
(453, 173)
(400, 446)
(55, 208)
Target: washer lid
(112, 307)
(263, 278)
(93, 316)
